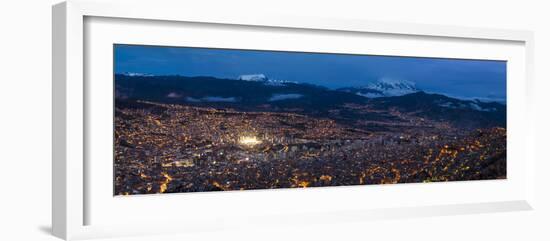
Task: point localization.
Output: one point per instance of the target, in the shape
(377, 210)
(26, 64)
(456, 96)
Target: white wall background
(25, 119)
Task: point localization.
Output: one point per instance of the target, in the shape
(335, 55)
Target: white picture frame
(73, 192)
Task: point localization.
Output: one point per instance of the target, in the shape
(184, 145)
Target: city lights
(195, 155)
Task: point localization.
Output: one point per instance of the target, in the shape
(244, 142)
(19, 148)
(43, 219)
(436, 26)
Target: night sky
(453, 77)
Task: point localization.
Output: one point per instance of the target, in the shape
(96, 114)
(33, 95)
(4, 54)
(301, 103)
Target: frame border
(68, 186)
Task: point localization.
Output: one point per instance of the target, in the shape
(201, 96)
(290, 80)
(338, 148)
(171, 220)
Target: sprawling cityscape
(191, 149)
(170, 138)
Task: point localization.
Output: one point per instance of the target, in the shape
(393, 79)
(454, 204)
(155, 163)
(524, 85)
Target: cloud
(173, 95)
(211, 99)
(278, 97)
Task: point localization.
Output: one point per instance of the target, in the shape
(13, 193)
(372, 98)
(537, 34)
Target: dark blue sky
(460, 78)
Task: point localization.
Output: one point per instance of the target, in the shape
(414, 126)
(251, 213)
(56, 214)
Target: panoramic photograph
(190, 119)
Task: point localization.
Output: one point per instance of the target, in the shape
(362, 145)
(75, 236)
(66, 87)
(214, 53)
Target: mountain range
(383, 88)
(257, 92)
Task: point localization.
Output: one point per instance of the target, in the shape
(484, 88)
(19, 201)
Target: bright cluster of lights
(249, 140)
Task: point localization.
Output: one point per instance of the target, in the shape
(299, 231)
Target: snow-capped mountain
(252, 77)
(384, 88)
(391, 87)
(263, 78)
